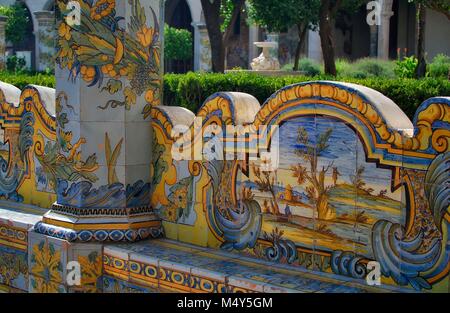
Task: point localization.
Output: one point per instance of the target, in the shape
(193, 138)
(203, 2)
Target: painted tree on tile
(317, 190)
(265, 180)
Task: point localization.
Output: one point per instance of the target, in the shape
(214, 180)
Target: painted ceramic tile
(144, 270)
(40, 285)
(90, 259)
(13, 268)
(116, 263)
(113, 285)
(205, 281)
(47, 263)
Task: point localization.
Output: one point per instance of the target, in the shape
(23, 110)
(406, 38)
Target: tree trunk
(218, 39)
(326, 35)
(213, 21)
(421, 69)
(302, 30)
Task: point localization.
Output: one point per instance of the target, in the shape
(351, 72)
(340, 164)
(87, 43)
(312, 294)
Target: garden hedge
(191, 90)
(23, 79)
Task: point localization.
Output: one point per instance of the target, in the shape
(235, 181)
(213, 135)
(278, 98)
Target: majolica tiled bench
(187, 268)
(159, 265)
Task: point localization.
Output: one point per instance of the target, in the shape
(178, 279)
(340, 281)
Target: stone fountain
(266, 61)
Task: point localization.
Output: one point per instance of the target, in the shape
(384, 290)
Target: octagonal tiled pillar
(108, 76)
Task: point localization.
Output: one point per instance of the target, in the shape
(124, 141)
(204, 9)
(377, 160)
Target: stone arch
(178, 14)
(31, 31)
(196, 10)
(49, 5)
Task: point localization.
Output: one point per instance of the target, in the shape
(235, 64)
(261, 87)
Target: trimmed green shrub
(440, 66)
(366, 68)
(177, 43)
(192, 89)
(21, 80)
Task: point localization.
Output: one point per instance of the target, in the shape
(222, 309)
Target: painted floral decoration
(91, 271)
(115, 55)
(46, 268)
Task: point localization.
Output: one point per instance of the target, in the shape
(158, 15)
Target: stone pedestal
(3, 20)
(108, 77)
(45, 40)
(268, 60)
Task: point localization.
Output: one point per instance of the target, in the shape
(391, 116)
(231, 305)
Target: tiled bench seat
(164, 265)
(15, 221)
(187, 268)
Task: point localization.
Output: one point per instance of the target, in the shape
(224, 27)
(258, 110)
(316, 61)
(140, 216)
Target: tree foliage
(328, 11)
(220, 17)
(18, 20)
(442, 6)
(177, 44)
(278, 16)
(226, 11)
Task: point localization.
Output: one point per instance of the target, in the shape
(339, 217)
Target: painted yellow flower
(64, 31)
(157, 57)
(65, 140)
(150, 96)
(102, 8)
(91, 271)
(10, 268)
(130, 96)
(145, 36)
(65, 50)
(41, 286)
(46, 267)
(180, 198)
(170, 214)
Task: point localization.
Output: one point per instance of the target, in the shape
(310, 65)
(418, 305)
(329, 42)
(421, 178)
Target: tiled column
(108, 76)
(45, 40)
(3, 20)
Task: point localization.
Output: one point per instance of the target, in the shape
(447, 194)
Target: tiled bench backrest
(357, 182)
